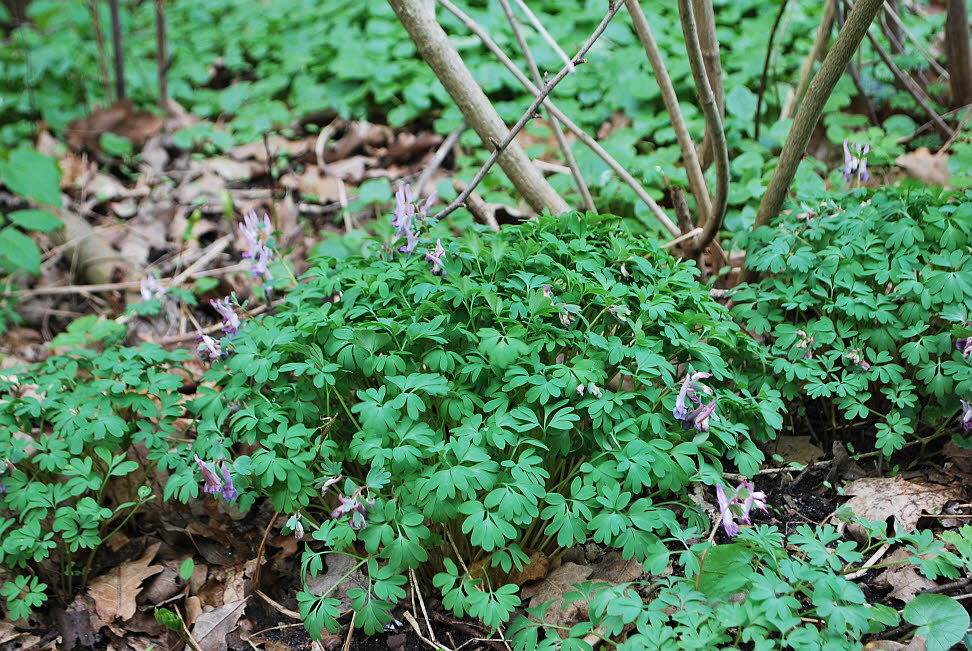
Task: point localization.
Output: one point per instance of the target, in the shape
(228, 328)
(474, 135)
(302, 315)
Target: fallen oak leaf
(878, 499)
(211, 629)
(114, 592)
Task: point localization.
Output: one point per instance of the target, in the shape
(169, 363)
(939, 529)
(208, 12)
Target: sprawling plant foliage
(80, 437)
(509, 392)
(866, 301)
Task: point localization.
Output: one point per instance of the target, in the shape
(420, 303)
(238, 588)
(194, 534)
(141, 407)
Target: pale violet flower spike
(435, 257)
(745, 498)
(699, 418)
(405, 214)
(257, 234)
(231, 320)
(296, 525)
(732, 529)
(229, 490)
(151, 289)
(855, 163)
(965, 345)
(689, 391)
(212, 484)
(966, 415)
(210, 347)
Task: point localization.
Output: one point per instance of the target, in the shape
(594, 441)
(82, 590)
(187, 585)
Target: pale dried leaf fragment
(114, 592)
(925, 166)
(905, 580)
(553, 588)
(878, 499)
(211, 629)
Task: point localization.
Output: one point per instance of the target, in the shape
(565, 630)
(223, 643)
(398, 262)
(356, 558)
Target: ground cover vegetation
(431, 409)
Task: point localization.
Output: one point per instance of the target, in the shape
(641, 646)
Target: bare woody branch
(713, 125)
(569, 124)
(848, 40)
(531, 112)
(689, 154)
(439, 53)
(558, 131)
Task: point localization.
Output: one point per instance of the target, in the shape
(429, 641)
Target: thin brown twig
(162, 56)
(713, 125)
(958, 132)
(437, 159)
(893, 15)
(102, 52)
(558, 131)
(569, 124)
(531, 111)
(425, 613)
(690, 156)
(263, 544)
(114, 287)
(283, 610)
(766, 64)
(909, 85)
(418, 632)
(116, 37)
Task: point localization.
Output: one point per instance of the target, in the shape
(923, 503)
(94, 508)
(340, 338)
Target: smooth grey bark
(848, 40)
(437, 50)
(958, 52)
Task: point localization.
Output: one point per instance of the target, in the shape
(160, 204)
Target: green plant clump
(521, 399)
(81, 436)
(865, 300)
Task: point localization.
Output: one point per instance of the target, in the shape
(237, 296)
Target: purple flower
(732, 529)
(151, 289)
(210, 347)
(805, 343)
(427, 204)
(688, 391)
(229, 490)
(965, 345)
(857, 357)
(355, 507)
(855, 164)
(213, 484)
(257, 234)
(231, 320)
(744, 499)
(546, 291)
(405, 213)
(435, 257)
(700, 416)
(966, 415)
(330, 482)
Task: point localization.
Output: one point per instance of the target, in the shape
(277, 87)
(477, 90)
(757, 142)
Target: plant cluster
(82, 436)
(763, 591)
(865, 300)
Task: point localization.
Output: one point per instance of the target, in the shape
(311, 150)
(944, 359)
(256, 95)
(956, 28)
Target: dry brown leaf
(120, 118)
(211, 629)
(337, 567)
(917, 643)
(114, 592)
(797, 449)
(878, 498)
(351, 170)
(960, 457)
(904, 579)
(553, 588)
(537, 569)
(925, 166)
(232, 170)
